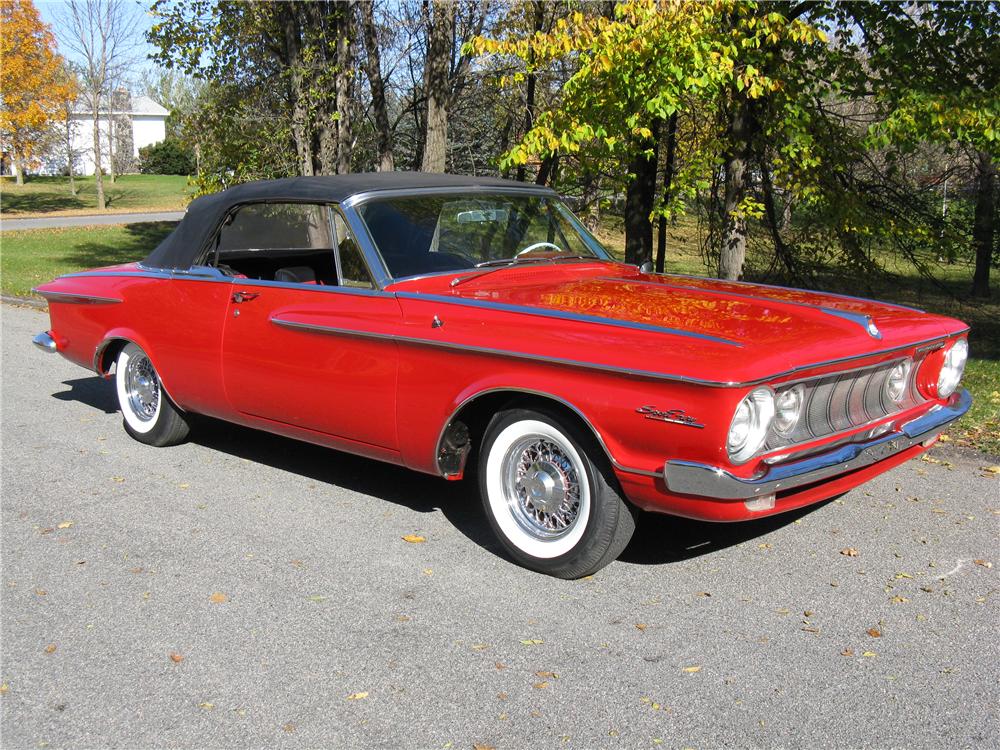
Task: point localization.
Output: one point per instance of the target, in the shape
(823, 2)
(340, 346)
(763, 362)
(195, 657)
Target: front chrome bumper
(45, 342)
(689, 478)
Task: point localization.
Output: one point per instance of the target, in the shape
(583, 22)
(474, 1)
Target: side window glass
(287, 242)
(353, 271)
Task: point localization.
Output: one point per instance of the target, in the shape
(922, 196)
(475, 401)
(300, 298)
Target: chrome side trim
(348, 290)
(45, 342)
(689, 478)
(542, 394)
(71, 298)
(627, 372)
(487, 351)
(562, 315)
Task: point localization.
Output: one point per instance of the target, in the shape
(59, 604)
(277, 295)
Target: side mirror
(646, 266)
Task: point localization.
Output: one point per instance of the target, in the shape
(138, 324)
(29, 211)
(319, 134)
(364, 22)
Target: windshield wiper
(496, 264)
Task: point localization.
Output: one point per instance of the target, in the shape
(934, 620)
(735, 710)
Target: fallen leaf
(764, 545)
(414, 539)
(480, 746)
(532, 642)
(176, 658)
(118, 479)
(640, 626)
(64, 525)
(289, 727)
(183, 485)
(357, 696)
(41, 592)
(4, 688)
(899, 599)
(499, 665)
(849, 552)
(319, 598)
(869, 654)
(428, 571)
(502, 696)
(874, 632)
(50, 649)
(703, 593)
(296, 563)
(807, 613)
(547, 675)
(983, 563)
(540, 685)
(847, 652)
(991, 469)
(402, 618)
(218, 598)
(691, 669)
(810, 630)
(480, 646)
(206, 706)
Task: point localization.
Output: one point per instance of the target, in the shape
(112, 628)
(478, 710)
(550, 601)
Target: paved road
(12, 225)
(115, 554)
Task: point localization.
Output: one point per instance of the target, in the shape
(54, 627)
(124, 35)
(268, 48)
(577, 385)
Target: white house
(140, 122)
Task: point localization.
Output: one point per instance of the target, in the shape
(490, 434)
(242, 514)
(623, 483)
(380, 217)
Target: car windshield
(441, 233)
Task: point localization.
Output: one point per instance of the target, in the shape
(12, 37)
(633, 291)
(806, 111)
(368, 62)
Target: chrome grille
(839, 402)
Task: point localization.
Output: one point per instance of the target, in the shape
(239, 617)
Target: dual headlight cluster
(764, 410)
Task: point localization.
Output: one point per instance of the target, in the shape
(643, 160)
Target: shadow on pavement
(659, 539)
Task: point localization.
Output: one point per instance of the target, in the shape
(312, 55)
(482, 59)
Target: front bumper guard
(45, 342)
(690, 478)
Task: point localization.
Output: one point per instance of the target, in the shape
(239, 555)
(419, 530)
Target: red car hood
(773, 328)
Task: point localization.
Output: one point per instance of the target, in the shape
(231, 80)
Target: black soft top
(183, 246)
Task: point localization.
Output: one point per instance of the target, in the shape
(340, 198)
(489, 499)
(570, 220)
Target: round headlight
(952, 369)
(787, 407)
(750, 424)
(899, 378)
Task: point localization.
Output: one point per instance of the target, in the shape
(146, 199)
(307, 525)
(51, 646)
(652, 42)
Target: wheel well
(108, 354)
(477, 413)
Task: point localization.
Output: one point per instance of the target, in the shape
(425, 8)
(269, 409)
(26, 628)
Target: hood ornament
(873, 330)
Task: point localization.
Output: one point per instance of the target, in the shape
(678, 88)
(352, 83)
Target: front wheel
(149, 415)
(549, 495)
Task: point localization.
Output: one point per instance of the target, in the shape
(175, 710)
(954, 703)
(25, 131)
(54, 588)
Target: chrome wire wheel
(143, 387)
(541, 483)
(536, 487)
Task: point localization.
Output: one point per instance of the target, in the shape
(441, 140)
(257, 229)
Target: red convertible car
(454, 324)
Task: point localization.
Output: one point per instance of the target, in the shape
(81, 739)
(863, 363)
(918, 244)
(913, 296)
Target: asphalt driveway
(244, 590)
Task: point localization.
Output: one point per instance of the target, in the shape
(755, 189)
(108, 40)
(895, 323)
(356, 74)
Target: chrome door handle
(239, 297)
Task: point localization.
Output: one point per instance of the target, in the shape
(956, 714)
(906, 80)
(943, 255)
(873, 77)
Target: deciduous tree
(32, 85)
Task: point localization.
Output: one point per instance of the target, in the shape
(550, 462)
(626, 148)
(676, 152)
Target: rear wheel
(149, 415)
(549, 494)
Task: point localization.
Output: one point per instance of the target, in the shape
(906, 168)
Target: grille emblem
(674, 416)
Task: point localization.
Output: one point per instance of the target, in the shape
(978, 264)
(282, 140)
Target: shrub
(166, 157)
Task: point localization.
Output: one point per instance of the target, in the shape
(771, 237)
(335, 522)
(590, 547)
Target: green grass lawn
(33, 257)
(50, 196)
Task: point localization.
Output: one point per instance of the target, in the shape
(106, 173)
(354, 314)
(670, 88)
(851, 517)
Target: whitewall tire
(148, 414)
(549, 495)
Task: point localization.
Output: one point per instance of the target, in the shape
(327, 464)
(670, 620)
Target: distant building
(138, 121)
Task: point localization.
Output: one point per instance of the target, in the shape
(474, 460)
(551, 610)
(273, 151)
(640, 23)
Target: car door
(307, 338)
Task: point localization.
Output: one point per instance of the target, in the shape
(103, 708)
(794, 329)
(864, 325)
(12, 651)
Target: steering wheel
(537, 245)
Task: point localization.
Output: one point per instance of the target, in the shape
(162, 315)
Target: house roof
(141, 105)
(185, 244)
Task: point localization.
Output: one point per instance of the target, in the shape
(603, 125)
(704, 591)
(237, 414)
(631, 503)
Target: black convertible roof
(182, 246)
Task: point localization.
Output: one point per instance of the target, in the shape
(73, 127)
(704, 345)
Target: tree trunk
(69, 152)
(345, 86)
(111, 137)
(547, 170)
(668, 178)
(98, 175)
(436, 85)
(770, 209)
(18, 163)
(640, 198)
(529, 99)
(983, 228)
(301, 132)
(373, 68)
(733, 252)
